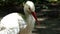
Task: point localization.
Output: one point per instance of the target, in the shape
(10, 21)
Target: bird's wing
(4, 30)
(9, 24)
(21, 21)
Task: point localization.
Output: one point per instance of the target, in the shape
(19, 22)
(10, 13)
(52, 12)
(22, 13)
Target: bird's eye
(29, 9)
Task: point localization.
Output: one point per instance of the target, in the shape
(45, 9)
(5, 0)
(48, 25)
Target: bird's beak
(34, 15)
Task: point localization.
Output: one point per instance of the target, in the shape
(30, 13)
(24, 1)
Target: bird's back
(14, 22)
(10, 20)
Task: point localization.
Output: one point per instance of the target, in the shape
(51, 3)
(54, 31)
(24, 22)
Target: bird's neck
(26, 17)
(29, 18)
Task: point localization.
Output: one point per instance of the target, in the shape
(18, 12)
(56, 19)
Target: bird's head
(29, 8)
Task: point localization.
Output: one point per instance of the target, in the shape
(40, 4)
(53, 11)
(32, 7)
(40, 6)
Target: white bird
(14, 23)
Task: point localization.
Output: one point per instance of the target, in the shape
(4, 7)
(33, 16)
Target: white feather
(12, 23)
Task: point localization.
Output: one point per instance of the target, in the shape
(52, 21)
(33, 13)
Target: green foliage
(52, 0)
(3, 2)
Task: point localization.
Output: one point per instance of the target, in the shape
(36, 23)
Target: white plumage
(14, 23)
(11, 24)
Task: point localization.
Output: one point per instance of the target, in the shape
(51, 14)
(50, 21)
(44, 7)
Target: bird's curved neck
(28, 17)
